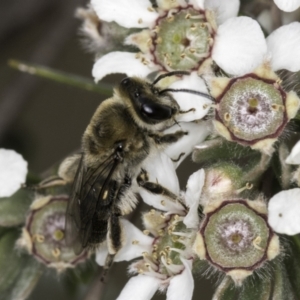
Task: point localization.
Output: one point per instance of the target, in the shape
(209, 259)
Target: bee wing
(89, 187)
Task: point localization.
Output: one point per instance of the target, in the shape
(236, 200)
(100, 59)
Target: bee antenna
(170, 74)
(188, 91)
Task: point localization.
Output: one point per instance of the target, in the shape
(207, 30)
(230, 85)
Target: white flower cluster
(229, 58)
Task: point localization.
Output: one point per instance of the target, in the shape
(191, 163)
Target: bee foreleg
(187, 111)
(178, 158)
(156, 188)
(168, 138)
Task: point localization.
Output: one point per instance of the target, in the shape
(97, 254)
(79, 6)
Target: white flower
(157, 270)
(294, 157)
(284, 209)
(235, 42)
(281, 50)
(161, 164)
(134, 244)
(13, 171)
(288, 5)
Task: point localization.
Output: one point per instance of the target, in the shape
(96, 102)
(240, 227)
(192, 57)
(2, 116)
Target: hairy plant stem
(61, 77)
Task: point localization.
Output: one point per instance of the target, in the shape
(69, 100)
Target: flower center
(252, 109)
(182, 39)
(235, 236)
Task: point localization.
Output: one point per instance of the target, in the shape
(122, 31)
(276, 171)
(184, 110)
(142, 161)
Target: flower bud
(44, 233)
(235, 238)
(253, 110)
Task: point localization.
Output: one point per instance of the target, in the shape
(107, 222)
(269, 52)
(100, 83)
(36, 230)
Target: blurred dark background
(44, 120)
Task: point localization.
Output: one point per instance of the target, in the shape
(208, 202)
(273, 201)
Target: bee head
(150, 106)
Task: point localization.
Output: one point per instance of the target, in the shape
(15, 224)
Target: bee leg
(168, 138)
(114, 242)
(47, 183)
(178, 158)
(156, 188)
(187, 111)
(108, 263)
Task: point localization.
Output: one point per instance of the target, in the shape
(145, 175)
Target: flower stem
(61, 77)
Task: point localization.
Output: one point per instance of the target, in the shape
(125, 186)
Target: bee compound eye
(156, 112)
(125, 81)
(119, 147)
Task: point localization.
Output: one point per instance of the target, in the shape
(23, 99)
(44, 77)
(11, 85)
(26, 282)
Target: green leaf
(226, 290)
(13, 209)
(19, 272)
(256, 288)
(26, 281)
(282, 287)
(292, 262)
(11, 264)
(219, 149)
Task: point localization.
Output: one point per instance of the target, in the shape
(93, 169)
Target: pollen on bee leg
(256, 243)
(56, 252)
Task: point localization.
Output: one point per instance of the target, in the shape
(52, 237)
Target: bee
(122, 133)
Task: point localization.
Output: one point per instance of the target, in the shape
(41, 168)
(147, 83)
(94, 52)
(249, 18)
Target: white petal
(240, 46)
(129, 250)
(182, 286)
(284, 44)
(198, 4)
(294, 157)
(13, 171)
(119, 62)
(127, 14)
(192, 197)
(287, 5)
(223, 9)
(284, 210)
(161, 170)
(141, 287)
(197, 133)
(167, 4)
(188, 101)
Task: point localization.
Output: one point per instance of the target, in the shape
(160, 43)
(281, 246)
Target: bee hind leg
(108, 263)
(114, 242)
